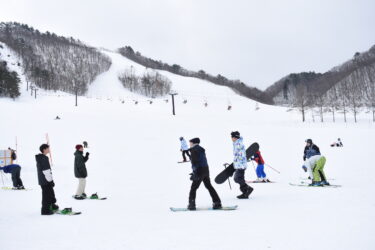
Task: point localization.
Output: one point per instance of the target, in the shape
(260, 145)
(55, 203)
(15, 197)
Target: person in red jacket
(260, 168)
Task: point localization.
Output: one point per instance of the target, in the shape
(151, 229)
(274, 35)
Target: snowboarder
(46, 181)
(184, 149)
(240, 165)
(200, 174)
(310, 149)
(15, 171)
(260, 167)
(315, 166)
(80, 171)
(337, 144)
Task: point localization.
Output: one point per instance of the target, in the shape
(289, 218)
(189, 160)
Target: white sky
(257, 41)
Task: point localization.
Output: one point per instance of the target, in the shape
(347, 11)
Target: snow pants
(239, 177)
(185, 152)
(204, 177)
(260, 171)
(81, 186)
(48, 197)
(318, 171)
(16, 176)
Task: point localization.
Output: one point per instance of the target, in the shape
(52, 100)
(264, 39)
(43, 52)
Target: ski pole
(277, 171)
(230, 186)
(254, 168)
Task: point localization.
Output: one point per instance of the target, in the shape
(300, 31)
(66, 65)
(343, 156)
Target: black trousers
(48, 197)
(239, 177)
(16, 177)
(207, 183)
(187, 153)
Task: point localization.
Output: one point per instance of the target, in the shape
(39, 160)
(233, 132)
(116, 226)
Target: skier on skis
(200, 174)
(46, 181)
(80, 171)
(310, 149)
(184, 149)
(14, 170)
(240, 165)
(257, 157)
(315, 166)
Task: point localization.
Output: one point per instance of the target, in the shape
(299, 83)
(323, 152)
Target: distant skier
(46, 181)
(315, 166)
(85, 144)
(184, 149)
(80, 171)
(200, 173)
(260, 167)
(338, 143)
(57, 118)
(240, 165)
(310, 150)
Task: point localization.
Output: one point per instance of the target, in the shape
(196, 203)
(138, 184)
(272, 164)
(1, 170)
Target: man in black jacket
(46, 181)
(200, 173)
(80, 171)
(310, 150)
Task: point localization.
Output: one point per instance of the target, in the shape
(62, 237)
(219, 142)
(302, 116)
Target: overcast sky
(257, 41)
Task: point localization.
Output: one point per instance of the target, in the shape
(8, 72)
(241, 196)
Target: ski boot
(191, 205)
(67, 210)
(94, 196)
(47, 212)
(315, 184)
(246, 192)
(217, 205)
(54, 207)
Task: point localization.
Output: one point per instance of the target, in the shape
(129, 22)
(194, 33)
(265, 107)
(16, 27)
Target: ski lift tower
(173, 93)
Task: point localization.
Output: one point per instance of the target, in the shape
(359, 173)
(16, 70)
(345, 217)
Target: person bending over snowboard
(315, 166)
(240, 165)
(46, 181)
(200, 174)
(80, 171)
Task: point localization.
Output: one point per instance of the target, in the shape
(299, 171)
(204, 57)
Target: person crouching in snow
(260, 167)
(80, 171)
(46, 181)
(315, 166)
(184, 149)
(240, 165)
(15, 171)
(200, 173)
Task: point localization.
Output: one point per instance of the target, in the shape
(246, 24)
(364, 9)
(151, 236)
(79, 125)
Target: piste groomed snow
(134, 150)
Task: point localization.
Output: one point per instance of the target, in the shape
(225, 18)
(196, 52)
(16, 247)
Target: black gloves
(52, 184)
(194, 176)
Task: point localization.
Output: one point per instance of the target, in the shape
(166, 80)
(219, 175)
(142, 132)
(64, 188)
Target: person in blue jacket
(200, 174)
(310, 149)
(15, 171)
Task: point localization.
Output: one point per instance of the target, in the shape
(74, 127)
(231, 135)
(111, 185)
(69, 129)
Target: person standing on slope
(80, 171)
(184, 149)
(200, 174)
(240, 165)
(257, 157)
(310, 150)
(315, 166)
(46, 181)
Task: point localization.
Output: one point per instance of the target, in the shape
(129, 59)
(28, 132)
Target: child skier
(184, 149)
(46, 181)
(260, 167)
(315, 166)
(80, 171)
(200, 173)
(310, 149)
(240, 165)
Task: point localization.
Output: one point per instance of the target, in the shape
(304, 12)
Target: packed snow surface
(134, 150)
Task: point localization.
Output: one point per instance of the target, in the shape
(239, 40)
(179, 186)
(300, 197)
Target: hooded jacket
(239, 153)
(44, 170)
(80, 170)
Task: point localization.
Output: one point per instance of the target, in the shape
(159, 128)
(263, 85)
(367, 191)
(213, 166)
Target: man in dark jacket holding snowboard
(46, 181)
(80, 171)
(200, 173)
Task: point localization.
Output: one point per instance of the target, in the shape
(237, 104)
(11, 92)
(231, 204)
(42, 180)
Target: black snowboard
(228, 172)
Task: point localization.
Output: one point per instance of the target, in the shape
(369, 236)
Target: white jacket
(310, 164)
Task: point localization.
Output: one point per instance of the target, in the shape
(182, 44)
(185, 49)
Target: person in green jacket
(80, 171)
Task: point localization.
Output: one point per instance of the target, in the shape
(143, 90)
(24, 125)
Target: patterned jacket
(239, 153)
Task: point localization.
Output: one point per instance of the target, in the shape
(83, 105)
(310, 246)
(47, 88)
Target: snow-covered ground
(134, 151)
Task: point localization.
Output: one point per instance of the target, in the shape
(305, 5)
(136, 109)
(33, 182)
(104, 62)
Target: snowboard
(183, 161)
(11, 188)
(67, 211)
(305, 184)
(228, 171)
(89, 198)
(184, 209)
